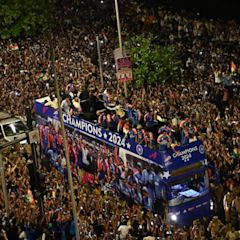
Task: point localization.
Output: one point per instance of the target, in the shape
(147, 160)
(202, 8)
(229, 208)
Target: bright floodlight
(173, 217)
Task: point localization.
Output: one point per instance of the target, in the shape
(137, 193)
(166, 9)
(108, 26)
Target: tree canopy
(23, 17)
(152, 63)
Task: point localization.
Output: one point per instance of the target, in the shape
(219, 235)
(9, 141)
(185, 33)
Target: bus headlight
(174, 217)
(211, 205)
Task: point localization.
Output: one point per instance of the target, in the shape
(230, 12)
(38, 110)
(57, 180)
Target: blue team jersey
(138, 177)
(145, 176)
(140, 135)
(151, 177)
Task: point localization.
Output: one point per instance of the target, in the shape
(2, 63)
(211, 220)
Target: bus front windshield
(188, 188)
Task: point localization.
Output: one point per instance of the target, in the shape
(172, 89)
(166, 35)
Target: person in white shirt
(124, 230)
(23, 235)
(76, 103)
(52, 102)
(65, 105)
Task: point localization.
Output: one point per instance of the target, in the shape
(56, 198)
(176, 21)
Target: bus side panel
(189, 211)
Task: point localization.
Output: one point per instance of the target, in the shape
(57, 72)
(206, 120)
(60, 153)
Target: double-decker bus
(174, 182)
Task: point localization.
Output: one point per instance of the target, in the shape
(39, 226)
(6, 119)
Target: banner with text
(169, 160)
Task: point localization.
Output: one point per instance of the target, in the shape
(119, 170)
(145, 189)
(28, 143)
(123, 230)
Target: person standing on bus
(113, 119)
(192, 132)
(149, 139)
(111, 124)
(164, 140)
(120, 126)
(65, 105)
(183, 130)
(140, 135)
(130, 111)
(76, 108)
(126, 127)
(102, 119)
(188, 132)
(149, 119)
(132, 133)
(137, 116)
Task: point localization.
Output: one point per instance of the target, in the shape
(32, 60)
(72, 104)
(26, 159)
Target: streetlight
(70, 181)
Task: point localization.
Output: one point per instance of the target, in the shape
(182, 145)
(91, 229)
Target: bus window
(188, 188)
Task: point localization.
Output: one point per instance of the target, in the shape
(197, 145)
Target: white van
(12, 128)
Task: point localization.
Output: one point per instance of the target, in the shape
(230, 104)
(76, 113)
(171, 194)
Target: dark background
(222, 9)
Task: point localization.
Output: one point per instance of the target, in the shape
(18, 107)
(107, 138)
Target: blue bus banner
(169, 160)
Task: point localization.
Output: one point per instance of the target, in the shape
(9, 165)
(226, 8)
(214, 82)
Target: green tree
(152, 63)
(23, 17)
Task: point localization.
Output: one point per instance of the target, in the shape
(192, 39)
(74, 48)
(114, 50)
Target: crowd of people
(208, 95)
(101, 214)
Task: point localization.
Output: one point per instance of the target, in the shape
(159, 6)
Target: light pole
(4, 187)
(120, 39)
(70, 180)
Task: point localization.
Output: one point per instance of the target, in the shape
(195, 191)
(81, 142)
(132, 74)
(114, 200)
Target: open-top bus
(141, 175)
